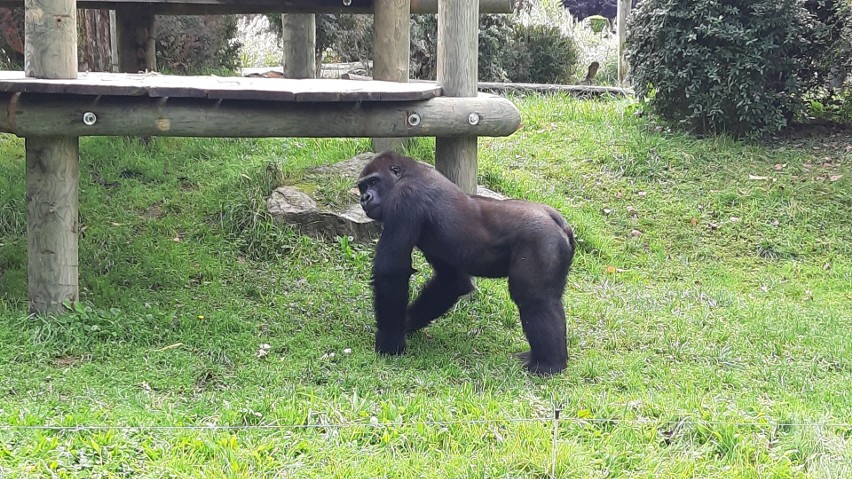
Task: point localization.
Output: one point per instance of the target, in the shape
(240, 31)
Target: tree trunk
(94, 52)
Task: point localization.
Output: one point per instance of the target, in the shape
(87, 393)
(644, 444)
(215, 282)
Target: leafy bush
(541, 54)
(197, 43)
(829, 51)
(725, 65)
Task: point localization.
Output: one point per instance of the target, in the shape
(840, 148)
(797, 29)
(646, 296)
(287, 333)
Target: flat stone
(288, 204)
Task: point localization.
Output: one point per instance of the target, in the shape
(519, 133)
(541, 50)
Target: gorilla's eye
(373, 182)
(394, 169)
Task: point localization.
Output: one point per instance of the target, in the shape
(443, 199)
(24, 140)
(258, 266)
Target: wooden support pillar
(52, 164)
(391, 50)
(622, 12)
(136, 39)
(299, 37)
(458, 50)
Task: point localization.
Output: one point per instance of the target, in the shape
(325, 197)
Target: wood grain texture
(212, 7)
(52, 163)
(50, 49)
(391, 50)
(299, 39)
(622, 12)
(136, 39)
(32, 114)
(225, 88)
(52, 191)
(458, 50)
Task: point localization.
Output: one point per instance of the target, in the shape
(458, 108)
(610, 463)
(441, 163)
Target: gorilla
(463, 236)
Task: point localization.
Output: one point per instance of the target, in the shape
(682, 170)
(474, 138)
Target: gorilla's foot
(539, 367)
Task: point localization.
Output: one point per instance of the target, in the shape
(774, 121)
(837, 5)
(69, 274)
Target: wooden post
(391, 50)
(299, 36)
(113, 41)
(52, 163)
(136, 40)
(622, 12)
(458, 50)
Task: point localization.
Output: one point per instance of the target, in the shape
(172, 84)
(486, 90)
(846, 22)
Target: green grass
(713, 343)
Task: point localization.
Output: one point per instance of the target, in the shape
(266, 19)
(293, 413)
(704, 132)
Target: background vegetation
(708, 318)
(743, 68)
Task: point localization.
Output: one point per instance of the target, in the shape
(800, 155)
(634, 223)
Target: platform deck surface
(220, 88)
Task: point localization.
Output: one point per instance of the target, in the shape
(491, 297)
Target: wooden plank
(225, 88)
(211, 7)
(53, 169)
(32, 114)
(576, 90)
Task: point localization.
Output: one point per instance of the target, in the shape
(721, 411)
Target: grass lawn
(709, 317)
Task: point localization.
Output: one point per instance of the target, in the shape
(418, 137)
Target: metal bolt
(473, 119)
(413, 119)
(89, 118)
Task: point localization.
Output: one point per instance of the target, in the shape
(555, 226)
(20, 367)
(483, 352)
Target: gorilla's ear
(395, 170)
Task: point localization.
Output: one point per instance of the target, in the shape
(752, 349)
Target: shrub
(829, 50)
(541, 54)
(722, 65)
(197, 43)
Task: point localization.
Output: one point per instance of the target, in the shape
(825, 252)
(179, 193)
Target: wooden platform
(220, 88)
(209, 7)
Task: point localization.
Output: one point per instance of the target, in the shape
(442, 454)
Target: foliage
(508, 50)
(340, 37)
(194, 43)
(541, 54)
(721, 65)
(12, 38)
(495, 33)
(581, 9)
(349, 37)
(828, 53)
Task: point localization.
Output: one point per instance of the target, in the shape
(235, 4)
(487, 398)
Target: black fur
(463, 236)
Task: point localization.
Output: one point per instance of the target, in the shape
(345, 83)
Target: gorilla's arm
(391, 273)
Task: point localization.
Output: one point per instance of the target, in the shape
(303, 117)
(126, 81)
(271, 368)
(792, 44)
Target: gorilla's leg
(438, 296)
(536, 284)
(544, 326)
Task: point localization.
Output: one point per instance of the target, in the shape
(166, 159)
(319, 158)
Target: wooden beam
(136, 40)
(575, 90)
(52, 164)
(622, 13)
(391, 50)
(299, 38)
(34, 114)
(213, 7)
(458, 33)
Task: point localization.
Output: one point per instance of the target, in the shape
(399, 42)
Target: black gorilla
(463, 236)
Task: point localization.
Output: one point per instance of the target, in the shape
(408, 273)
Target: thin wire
(574, 420)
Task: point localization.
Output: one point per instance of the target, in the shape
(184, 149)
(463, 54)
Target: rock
(289, 204)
